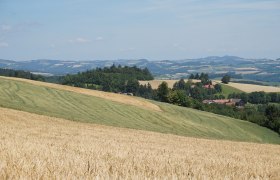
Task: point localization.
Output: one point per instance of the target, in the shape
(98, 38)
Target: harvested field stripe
(139, 102)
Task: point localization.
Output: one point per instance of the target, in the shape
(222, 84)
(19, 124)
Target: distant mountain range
(256, 69)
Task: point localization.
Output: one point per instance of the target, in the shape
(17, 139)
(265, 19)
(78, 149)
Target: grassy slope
(229, 90)
(173, 119)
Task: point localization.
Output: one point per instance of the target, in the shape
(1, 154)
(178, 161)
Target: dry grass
(252, 87)
(109, 96)
(156, 83)
(41, 147)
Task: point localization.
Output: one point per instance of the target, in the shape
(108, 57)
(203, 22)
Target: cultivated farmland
(226, 90)
(104, 95)
(236, 87)
(252, 87)
(40, 147)
(157, 82)
(171, 119)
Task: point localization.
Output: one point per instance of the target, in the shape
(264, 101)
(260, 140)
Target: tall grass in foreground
(35, 147)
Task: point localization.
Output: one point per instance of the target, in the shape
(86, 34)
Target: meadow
(226, 90)
(40, 147)
(71, 104)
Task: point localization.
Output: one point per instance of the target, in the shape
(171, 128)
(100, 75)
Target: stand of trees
(188, 93)
(204, 77)
(112, 79)
(257, 97)
(21, 74)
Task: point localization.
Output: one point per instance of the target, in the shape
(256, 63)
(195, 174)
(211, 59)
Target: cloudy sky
(151, 29)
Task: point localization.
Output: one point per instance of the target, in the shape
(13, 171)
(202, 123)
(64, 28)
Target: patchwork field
(236, 87)
(40, 147)
(252, 87)
(171, 119)
(227, 89)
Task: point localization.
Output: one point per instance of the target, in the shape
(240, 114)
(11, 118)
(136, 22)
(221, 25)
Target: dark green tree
(218, 88)
(180, 85)
(272, 112)
(196, 76)
(163, 92)
(132, 86)
(225, 79)
(191, 76)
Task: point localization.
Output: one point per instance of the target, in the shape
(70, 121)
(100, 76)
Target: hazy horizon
(148, 29)
(134, 59)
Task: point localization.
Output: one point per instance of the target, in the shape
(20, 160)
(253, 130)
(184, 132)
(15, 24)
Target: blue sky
(130, 29)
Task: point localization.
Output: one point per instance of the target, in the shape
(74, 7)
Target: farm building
(208, 86)
(229, 102)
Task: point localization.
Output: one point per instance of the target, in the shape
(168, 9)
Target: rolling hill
(254, 69)
(123, 111)
(40, 147)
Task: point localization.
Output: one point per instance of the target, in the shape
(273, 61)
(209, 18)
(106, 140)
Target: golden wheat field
(252, 87)
(156, 83)
(40, 147)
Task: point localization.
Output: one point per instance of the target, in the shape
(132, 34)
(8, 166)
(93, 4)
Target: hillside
(35, 146)
(110, 96)
(124, 111)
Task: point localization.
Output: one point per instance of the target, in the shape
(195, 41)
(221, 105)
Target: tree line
(110, 79)
(21, 74)
(257, 97)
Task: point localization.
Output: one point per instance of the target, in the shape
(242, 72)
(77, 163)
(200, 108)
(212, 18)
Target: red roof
(208, 86)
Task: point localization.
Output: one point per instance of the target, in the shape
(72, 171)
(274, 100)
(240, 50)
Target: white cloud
(52, 45)
(79, 40)
(3, 44)
(99, 38)
(5, 27)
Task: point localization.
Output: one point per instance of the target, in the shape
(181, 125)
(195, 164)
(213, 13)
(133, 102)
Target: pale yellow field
(40, 147)
(156, 83)
(142, 103)
(252, 87)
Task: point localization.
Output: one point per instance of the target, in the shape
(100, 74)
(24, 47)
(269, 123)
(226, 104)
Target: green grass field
(226, 90)
(174, 120)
